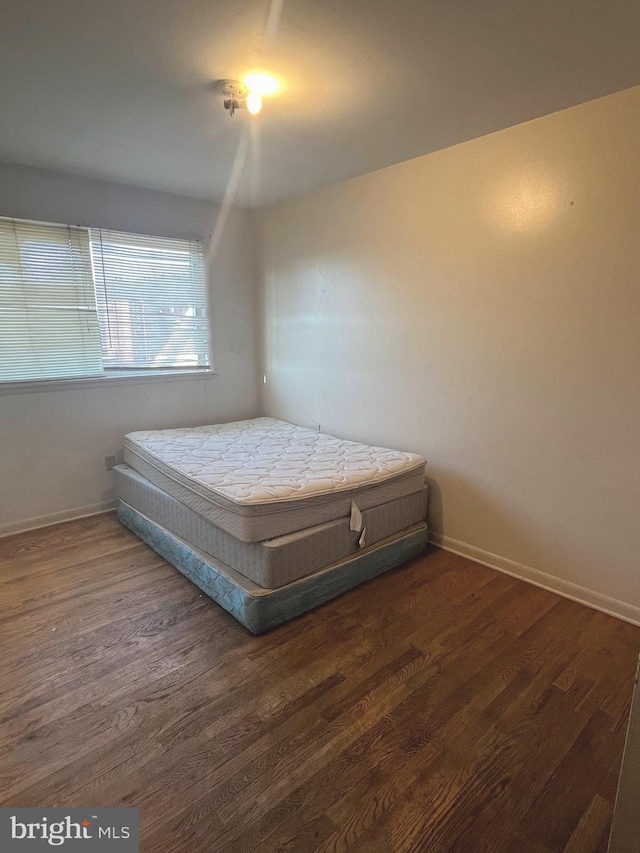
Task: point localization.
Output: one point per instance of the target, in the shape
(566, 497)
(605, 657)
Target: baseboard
(581, 594)
(55, 518)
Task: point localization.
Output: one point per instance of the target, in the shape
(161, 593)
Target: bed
(268, 518)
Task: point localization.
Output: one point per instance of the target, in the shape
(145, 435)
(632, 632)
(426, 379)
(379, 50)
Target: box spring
(259, 609)
(275, 562)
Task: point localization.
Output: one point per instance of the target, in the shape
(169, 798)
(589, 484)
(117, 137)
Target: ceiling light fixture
(235, 95)
(248, 93)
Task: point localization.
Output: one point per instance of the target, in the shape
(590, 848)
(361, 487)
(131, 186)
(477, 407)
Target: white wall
(52, 444)
(481, 305)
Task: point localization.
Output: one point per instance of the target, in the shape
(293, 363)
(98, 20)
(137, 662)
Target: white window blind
(48, 322)
(152, 301)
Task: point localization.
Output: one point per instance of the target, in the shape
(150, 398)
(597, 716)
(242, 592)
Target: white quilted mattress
(264, 477)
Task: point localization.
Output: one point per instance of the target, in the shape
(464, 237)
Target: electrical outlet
(315, 425)
(109, 462)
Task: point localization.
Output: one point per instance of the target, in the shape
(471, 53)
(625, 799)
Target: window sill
(37, 386)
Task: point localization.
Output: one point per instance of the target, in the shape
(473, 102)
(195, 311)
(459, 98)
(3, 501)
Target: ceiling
(122, 90)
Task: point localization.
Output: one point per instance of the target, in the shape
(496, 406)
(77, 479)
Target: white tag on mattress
(363, 537)
(355, 522)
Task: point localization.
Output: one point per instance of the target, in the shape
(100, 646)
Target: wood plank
(588, 835)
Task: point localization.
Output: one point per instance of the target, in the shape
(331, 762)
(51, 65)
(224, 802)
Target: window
(48, 322)
(81, 302)
(151, 299)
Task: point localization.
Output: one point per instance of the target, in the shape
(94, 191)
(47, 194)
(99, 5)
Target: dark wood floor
(440, 707)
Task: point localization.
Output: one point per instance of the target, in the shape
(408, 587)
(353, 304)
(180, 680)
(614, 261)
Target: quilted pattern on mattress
(265, 460)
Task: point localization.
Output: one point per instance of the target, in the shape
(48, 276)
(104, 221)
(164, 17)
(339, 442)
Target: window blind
(151, 299)
(48, 321)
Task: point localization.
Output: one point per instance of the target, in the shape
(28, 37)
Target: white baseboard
(55, 518)
(581, 594)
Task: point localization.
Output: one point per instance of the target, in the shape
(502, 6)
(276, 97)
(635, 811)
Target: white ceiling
(122, 89)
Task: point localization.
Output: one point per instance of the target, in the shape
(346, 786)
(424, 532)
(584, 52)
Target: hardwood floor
(440, 707)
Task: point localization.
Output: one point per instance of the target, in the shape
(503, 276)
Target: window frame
(113, 376)
(119, 377)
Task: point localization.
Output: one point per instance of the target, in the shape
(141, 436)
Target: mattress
(274, 562)
(259, 609)
(263, 478)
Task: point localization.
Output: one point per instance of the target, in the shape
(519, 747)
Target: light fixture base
(233, 89)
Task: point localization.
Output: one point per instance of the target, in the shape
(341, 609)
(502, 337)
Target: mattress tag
(362, 539)
(355, 522)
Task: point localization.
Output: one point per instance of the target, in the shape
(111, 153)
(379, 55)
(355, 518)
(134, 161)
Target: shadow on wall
(434, 507)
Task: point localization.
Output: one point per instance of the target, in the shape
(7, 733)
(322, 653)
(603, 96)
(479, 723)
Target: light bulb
(254, 103)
